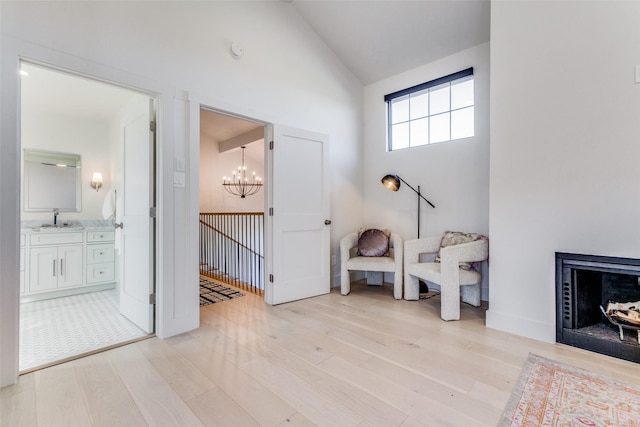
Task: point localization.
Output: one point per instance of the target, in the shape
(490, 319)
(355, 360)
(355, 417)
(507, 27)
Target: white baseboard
(520, 326)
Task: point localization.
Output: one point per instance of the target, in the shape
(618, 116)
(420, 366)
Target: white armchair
(446, 273)
(351, 261)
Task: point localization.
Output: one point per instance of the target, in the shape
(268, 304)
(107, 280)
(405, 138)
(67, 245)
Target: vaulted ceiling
(378, 39)
(374, 39)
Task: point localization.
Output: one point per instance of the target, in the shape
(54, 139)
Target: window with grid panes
(435, 111)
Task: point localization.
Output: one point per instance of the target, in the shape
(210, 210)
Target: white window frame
(450, 79)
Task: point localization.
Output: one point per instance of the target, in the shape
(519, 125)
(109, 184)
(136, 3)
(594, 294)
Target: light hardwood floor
(358, 360)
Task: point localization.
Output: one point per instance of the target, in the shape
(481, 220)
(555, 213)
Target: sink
(63, 226)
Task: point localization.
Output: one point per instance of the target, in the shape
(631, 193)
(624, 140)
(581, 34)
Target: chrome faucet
(56, 212)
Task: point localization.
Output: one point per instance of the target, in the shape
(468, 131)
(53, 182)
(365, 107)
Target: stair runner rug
(549, 393)
(212, 292)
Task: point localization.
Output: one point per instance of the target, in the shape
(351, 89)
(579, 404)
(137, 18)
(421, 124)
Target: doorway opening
(88, 168)
(232, 202)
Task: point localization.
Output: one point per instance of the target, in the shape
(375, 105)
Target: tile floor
(58, 328)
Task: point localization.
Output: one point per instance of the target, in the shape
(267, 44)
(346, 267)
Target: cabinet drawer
(55, 238)
(97, 273)
(101, 236)
(100, 253)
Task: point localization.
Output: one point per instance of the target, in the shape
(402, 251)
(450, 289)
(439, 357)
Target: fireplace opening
(584, 284)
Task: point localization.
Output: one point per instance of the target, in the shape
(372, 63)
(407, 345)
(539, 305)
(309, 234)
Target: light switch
(180, 164)
(637, 73)
(178, 179)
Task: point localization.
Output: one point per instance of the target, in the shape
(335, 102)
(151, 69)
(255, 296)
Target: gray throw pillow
(373, 243)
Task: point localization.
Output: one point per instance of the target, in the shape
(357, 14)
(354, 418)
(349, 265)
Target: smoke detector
(236, 50)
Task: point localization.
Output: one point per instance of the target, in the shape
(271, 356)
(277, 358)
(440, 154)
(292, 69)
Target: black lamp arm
(417, 192)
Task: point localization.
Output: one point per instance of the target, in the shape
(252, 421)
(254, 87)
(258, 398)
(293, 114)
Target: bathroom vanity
(62, 261)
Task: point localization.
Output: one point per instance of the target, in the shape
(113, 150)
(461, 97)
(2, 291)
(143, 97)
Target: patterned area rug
(212, 292)
(549, 393)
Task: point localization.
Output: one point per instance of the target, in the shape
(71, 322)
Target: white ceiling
(65, 94)
(378, 39)
(220, 127)
(374, 39)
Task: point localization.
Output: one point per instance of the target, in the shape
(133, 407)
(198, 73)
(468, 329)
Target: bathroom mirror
(51, 181)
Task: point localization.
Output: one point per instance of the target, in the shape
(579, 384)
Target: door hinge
(270, 211)
(152, 298)
(153, 211)
(152, 126)
(271, 145)
(271, 278)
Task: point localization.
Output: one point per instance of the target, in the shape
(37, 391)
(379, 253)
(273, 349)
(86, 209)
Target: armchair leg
(471, 295)
(345, 282)
(397, 286)
(411, 288)
(450, 303)
(375, 278)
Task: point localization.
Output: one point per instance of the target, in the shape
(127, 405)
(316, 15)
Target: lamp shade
(392, 182)
(96, 181)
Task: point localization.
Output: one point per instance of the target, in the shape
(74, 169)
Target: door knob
(327, 222)
(118, 225)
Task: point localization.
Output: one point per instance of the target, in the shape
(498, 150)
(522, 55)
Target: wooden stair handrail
(231, 238)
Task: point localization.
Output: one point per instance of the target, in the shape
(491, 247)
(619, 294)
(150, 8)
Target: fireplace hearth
(584, 284)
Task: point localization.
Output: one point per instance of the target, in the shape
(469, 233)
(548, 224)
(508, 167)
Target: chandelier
(239, 185)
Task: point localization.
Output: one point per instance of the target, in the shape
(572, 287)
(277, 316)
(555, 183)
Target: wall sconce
(96, 181)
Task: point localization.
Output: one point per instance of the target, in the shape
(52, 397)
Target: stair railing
(232, 248)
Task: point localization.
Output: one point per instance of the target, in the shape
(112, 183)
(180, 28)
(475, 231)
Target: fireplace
(584, 284)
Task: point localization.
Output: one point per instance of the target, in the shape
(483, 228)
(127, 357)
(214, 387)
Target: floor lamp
(392, 182)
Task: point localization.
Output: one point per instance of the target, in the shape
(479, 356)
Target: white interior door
(136, 233)
(300, 201)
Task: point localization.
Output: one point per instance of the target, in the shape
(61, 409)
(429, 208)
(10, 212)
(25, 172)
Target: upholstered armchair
(352, 259)
(454, 281)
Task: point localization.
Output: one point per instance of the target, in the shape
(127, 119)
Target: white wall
(88, 138)
(214, 165)
(180, 50)
(565, 132)
(454, 176)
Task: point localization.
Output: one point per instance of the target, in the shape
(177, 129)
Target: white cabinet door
(55, 267)
(43, 269)
(70, 265)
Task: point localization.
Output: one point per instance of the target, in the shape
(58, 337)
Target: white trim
(9, 215)
(168, 322)
(199, 102)
(520, 326)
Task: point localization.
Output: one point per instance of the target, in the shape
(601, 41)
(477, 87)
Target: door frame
(197, 104)
(151, 156)
(268, 174)
(14, 52)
